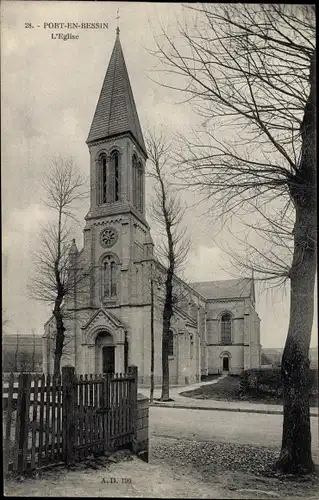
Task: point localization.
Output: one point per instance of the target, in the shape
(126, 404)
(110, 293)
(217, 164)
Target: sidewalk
(211, 404)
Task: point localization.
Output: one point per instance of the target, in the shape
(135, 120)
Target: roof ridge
(223, 280)
(224, 289)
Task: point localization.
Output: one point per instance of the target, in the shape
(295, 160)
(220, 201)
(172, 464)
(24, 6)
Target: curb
(215, 408)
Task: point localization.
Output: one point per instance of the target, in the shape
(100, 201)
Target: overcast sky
(49, 91)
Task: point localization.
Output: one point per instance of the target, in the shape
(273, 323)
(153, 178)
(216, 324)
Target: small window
(226, 329)
(171, 343)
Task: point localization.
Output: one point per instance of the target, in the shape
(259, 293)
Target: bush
(269, 381)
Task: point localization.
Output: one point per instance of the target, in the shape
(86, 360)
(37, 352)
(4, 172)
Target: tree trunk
(167, 314)
(295, 456)
(59, 340)
(152, 342)
(165, 365)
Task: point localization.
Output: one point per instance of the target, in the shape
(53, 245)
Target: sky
(49, 91)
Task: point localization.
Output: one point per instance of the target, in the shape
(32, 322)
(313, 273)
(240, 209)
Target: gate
(100, 412)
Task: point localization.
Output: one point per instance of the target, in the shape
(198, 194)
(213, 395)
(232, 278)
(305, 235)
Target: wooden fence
(49, 420)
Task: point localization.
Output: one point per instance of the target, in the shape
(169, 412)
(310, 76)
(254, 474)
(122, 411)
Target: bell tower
(116, 231)
(116, 145)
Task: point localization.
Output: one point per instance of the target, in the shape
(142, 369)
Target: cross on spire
(118, 19)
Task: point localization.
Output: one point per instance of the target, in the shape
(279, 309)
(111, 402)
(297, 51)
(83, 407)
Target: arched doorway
(108, 359)
(225, 361)
(225, 364)
(104, 353)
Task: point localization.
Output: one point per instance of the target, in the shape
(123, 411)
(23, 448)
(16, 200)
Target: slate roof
(225, 289)
(115, 111)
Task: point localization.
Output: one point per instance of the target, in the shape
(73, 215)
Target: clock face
(108, 237)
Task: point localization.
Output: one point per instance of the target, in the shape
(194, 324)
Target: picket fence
(49, 420)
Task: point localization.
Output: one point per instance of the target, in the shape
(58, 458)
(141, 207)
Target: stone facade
(244, 349)
(108, 313)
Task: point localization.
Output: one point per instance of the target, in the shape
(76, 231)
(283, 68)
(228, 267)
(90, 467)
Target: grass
(228, 389)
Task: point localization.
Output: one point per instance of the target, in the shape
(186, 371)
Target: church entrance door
(108, 359)
(225, 364)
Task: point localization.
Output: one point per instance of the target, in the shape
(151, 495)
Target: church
(215, 327)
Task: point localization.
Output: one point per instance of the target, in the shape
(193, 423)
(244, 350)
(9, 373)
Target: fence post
(132, 371)
(68, 413)
(106, 412)
(23, 418)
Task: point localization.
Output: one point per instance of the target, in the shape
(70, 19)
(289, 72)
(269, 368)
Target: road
(204, 425)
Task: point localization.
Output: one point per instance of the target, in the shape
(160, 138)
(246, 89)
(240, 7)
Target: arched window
(102, 179)
(140, 187)
(137, 183)
(108, 178)
(114, 177)
(226, 329)
(109, 277)
(170, 343)
(134, 180)
(191, 346)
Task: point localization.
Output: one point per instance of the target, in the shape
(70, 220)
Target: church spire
(115, 111)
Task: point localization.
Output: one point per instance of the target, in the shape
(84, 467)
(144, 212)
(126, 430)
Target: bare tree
(8, 363)
(54, 276)
(16, 354)
(180, 304)
(10, 357)
(25, 361)
(5, 321)
(167, 212)
(18, 361)
(33, 351)
(152, 334)
(249, 72)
